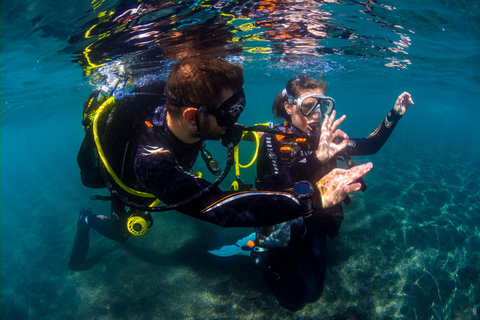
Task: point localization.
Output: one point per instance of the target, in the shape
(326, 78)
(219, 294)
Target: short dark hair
(199, 80)
(293, 88)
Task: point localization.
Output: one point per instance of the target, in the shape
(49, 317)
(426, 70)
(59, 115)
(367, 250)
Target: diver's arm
(161, 176)
(375, 141)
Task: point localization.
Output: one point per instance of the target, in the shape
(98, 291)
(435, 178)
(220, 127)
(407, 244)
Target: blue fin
(235, 249)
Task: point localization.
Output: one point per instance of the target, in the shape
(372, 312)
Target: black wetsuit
(162, 164)
(152, 159)
(294, 263)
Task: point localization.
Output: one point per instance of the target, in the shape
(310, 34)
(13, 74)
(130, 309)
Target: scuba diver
(142, 146)
(292, 255)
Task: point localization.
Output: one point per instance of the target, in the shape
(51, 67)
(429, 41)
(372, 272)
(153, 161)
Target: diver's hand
(326, 148)
(338, 183)
(403, 102)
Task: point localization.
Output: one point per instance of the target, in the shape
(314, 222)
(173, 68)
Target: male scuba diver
(143, 149)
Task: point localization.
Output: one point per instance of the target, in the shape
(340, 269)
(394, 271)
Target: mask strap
(290, 98)
(198, 124)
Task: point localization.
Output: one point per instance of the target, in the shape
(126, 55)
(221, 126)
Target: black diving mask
(229, 111)
(311, 102)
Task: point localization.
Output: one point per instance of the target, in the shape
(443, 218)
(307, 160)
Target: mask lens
(321, 105)
(327, 106)
(229, 111)
(309, 105)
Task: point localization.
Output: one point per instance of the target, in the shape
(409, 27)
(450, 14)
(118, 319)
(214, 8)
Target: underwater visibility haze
(409, 247)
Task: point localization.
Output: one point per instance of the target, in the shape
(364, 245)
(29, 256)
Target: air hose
(106, 106)
(238, 185)
(238, 165)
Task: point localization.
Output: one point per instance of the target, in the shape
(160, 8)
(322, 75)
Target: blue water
(409, 247)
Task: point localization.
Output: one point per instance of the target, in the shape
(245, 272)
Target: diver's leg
(281, 273)
(81, 242)
(313, 259)
(114, 228)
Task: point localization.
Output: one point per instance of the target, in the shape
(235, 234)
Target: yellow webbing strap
(106, 106)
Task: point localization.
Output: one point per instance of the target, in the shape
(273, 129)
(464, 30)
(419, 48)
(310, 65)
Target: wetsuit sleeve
(375, 141)
(160, 174)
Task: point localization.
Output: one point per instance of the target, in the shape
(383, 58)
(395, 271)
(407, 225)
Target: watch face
(303, 188)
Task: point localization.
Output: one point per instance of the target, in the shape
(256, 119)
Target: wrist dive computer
(303, 191)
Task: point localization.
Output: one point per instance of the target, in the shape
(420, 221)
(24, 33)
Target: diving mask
(229, 111)
(310, 102)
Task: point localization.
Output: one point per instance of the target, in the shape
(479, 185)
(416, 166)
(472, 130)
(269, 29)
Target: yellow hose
(238, 165)
(106, 106)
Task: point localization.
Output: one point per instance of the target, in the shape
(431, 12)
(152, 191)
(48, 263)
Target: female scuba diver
(292, 255)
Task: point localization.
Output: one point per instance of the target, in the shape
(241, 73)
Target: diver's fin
(82, 240)
(235, 249)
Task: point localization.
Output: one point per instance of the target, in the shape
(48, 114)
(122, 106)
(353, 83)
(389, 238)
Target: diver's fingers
(407, 99)
(403, 102)
(341, 134)
(332, 115)
(352, 187)
(358, 171)
(403, 99)
(326, 124)
(339, 147)
(331, 121)
(337, 122)
(399, 99)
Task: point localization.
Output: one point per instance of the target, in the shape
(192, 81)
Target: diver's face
(208, 126)
(300, 121)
